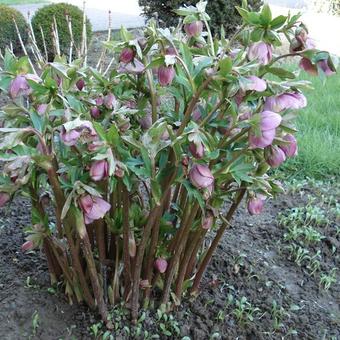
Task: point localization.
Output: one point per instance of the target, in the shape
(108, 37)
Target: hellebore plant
(142, 161)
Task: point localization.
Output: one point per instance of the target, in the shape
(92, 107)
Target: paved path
(128, 16)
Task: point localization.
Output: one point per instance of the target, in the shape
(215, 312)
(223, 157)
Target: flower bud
(99, 170)
(93, 207)
(109, 101)
(161, 265)
(95, 112)
(201, 176)
(261, 52)
(197, 149)
(127, 55)
(170, 51)
(4, 198)
(146, 121)
(208, 221)
(165, 75)
(194, 29)
(274, 156)
(80, 84)
(28, 245)
(255, 205)
(290, 149)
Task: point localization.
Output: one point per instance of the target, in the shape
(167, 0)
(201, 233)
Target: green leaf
(266, 15)
(226, 66)
(281, 73)
(156, 191)
(113, 136)
(100, 130)
(278, 22)
(37, 121)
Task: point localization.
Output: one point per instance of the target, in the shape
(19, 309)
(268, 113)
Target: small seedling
(327, 280)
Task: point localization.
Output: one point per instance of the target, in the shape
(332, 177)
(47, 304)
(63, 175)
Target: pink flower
(285, 101)
(99, 170)
(4, 198)
(166, 75)
(127, 55)
(19, 86)
(194, 29)
(255, 205)
(261, 52)
(208, 221)
(274, 156)
(269, 121)
(109, 101)
(196, 115)
(197, 149)
(28, 245)
(80, 84)
(201, 176)
(290, 149)
(312, 69)
(41, 109)
(99, 101)
(69, 138)
(161, 265)
(95, 112)
(135, 67)
(146, 121)
(170, 51)
(93, 207)
(255, 84)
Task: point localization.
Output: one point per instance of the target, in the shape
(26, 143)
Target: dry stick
(57, 41)
(102, 55)
(184, 232)
(84, 38)
(34, 42)
(126, 236)
(44, 42)
(86, 247)
(69, 25)
(214, 244)
(23, 46)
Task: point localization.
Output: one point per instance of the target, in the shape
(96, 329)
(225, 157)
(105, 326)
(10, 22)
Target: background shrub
(7, 28)
(44, 18)
(221, 12)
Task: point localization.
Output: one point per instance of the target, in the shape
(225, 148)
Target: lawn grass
(319, 131)
(22, 2)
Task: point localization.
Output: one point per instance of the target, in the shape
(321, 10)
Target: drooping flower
(93, 207)
(201, 176)
(255, 205)
(170, 51)
(127, 55)
(208, 221)
(274, 156)
(255, 84)
(261, 52)
(285, 101)
(135, 67)
(290, 149)
(197, 149)
(99, 170)
(4, 198)
(80, 84)
(161, 265)
(312, 69)
(99, 101)
(265, 134)
(19, 86)
(28, 245)
(166, 75)
(95, 112)
(70, 136)
(194, 29)
(109, 100)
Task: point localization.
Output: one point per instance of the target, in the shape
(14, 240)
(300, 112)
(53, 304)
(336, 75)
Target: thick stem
(100, 230)
(216, 241)
(126, 236)
(152, 95)
(53, 267)
(184, 233)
